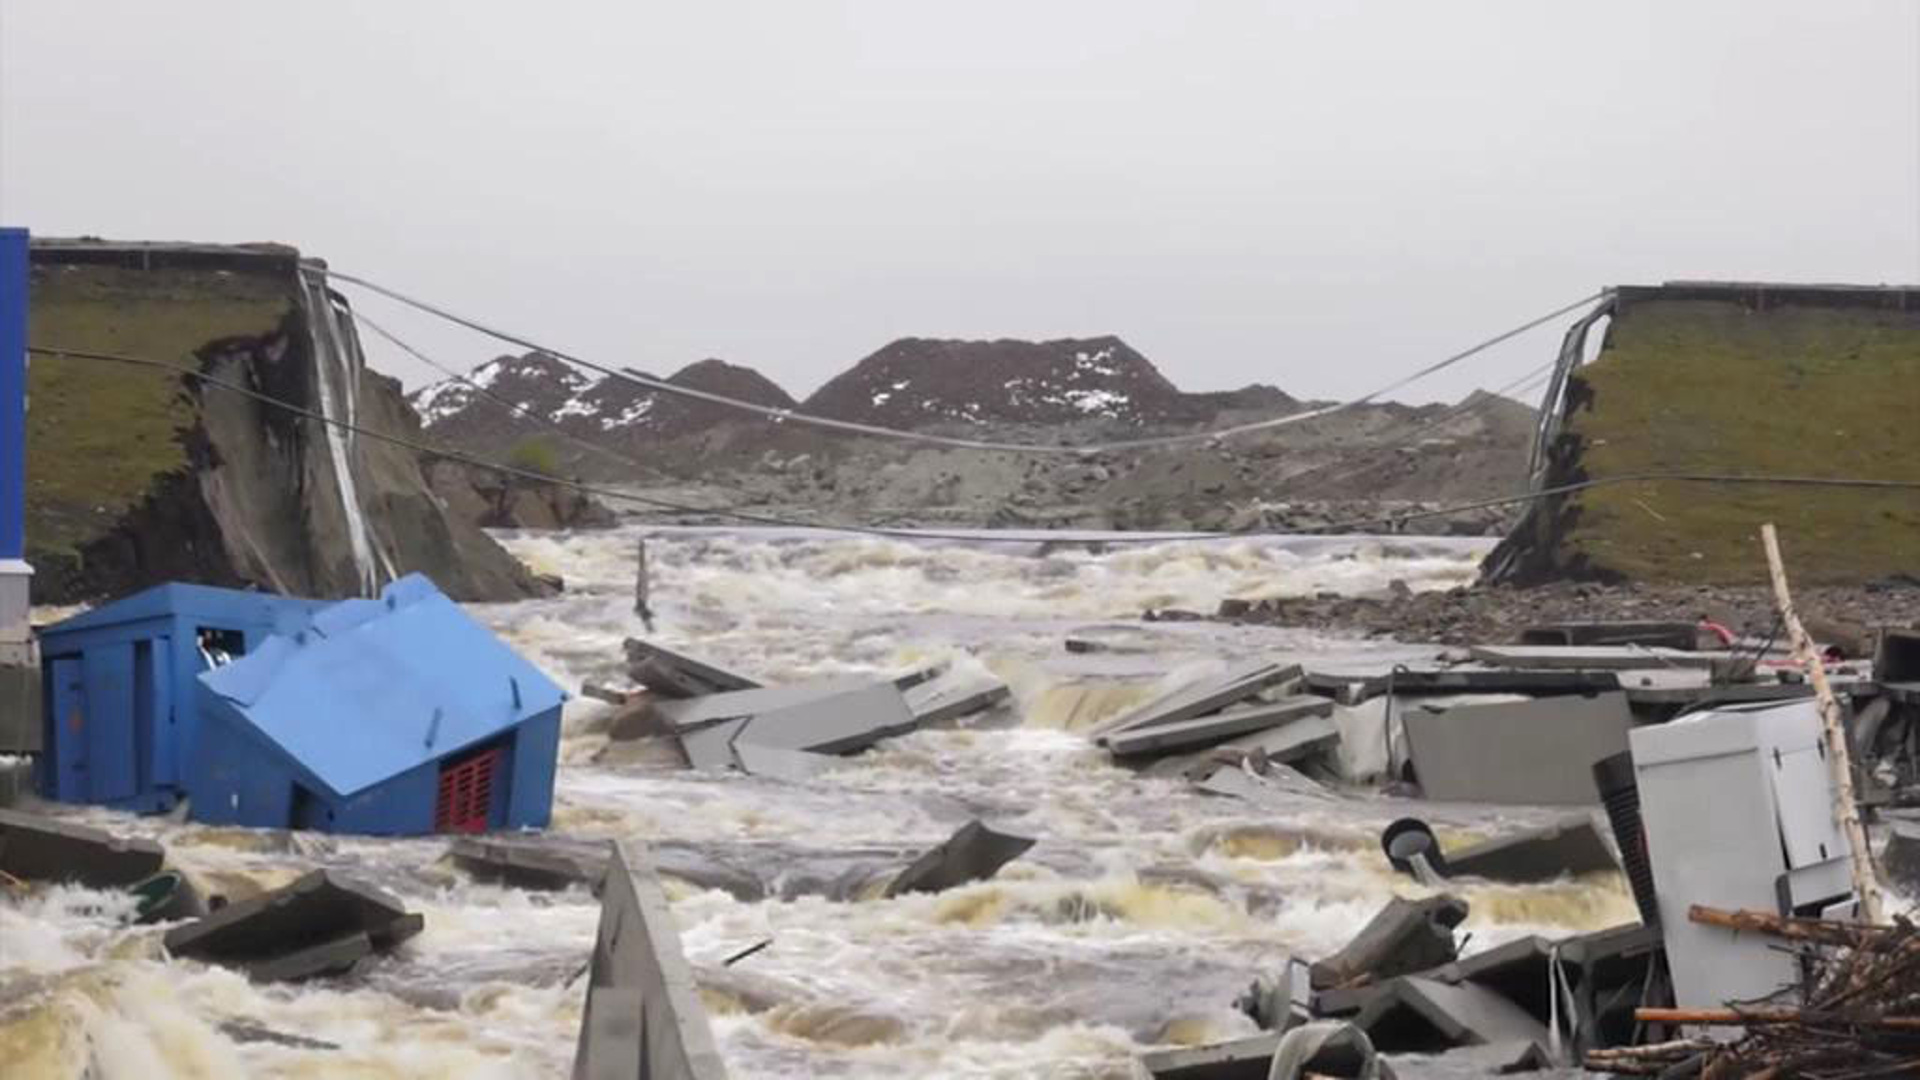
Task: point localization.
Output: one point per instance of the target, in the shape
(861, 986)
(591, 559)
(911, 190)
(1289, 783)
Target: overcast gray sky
(1316, 195)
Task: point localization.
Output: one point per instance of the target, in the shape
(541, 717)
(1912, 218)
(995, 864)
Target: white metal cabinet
(1738, 809)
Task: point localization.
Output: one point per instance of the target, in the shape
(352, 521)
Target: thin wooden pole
(1846, 812)
(1771, 1016)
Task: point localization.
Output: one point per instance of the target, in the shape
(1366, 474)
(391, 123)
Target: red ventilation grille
(466, 793)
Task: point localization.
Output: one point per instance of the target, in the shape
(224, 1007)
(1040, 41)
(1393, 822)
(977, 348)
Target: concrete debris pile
(724, 720)
(1251, 715)
(1402, 986)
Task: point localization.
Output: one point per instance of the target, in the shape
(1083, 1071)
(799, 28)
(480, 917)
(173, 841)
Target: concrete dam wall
(137, 475)
(1740, 379)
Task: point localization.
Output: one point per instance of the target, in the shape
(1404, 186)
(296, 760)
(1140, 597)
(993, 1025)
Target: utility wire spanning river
(1140, 915)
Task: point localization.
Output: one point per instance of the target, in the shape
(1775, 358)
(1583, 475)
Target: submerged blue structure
(391, 716)
(119, 716)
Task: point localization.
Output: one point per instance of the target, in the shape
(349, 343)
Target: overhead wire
(1352, 525)
(785, 415)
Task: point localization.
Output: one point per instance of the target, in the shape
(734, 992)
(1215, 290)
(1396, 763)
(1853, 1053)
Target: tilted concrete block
(1570, 847)
(974, 853)
(37, 848)
(1405, 936)
(267, 933)
(1533, 753)
(546, 862)
(643, 1016)
(1299, 734)
(1420, 1015)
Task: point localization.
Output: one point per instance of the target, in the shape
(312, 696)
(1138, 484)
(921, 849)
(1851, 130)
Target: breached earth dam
(1142, 912)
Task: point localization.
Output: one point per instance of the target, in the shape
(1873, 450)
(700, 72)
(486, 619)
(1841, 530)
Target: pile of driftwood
(1858, 1011)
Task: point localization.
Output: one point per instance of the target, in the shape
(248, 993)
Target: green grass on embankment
(1702, 386)
(100, 435)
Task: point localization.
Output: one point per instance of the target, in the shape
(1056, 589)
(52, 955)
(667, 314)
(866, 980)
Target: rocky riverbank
(1842, 616)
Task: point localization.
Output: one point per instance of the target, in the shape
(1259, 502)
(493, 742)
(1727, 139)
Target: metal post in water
(640, 587)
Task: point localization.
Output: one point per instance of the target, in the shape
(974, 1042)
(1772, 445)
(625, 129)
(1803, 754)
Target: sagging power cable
(877, 431)
(1352, 525)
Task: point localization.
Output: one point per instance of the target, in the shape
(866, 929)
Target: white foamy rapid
(1140, 915)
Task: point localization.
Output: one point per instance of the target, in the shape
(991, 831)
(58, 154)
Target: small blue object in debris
(392, 716)
(118, 715)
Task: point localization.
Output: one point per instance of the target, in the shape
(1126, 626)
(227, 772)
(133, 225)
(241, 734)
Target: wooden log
(1762, 922)
(1767, 1017)
(1846, 811)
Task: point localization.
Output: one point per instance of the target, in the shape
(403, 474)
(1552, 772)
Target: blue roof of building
(180, 598)
(372, 688)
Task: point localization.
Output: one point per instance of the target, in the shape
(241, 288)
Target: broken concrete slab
(841, 722)
(1491, 1059)
(953, 696)
(1531, 753)
(1663, 634)
(1239, 1059)
(1404, 937)
(710, 748)
(670, 674)
(1423, 1015)
(336, 957)
(1352, 688)
(1570, 847)
(1302, 721)
(1278, 784)
(1202, 696)
(38, 848)
(643, 1015)
(1599, 657)
(974, 853)
(1516, 970)
(268, 934)
(531, 863)
(1657, 687)
(773, 762)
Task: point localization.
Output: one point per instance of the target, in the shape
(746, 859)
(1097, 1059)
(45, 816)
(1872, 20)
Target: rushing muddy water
(1140, 915)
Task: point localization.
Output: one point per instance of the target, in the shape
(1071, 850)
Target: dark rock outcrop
(496, 500)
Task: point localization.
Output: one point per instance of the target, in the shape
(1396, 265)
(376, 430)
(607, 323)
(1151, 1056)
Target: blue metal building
(391, 716)
(119, 717)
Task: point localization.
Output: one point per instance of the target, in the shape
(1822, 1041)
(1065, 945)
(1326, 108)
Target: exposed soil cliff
(140, 475)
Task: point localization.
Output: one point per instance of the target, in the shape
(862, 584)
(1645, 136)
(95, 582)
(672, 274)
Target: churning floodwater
(1143, 911)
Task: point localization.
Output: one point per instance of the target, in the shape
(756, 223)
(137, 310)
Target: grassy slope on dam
(1688, 385)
